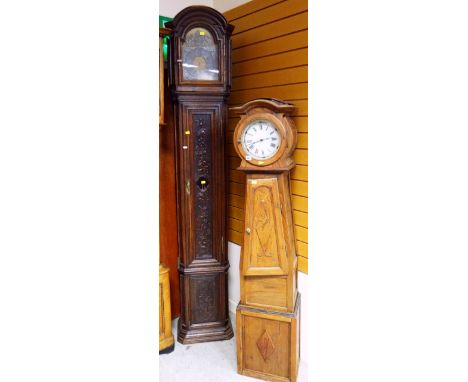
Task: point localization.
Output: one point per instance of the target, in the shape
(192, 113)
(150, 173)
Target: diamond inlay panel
(265, 345)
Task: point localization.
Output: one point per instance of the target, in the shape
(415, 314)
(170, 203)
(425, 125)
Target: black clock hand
(260, 140)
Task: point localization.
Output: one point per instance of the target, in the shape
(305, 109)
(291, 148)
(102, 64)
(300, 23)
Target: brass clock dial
(200, 56)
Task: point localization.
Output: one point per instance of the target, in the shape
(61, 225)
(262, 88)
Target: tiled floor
(205, 362)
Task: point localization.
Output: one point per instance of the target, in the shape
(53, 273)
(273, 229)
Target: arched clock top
(202, 14)
(272, 104)
(199, 56)
(265, 137)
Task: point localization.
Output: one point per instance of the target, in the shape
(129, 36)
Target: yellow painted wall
(269, 59)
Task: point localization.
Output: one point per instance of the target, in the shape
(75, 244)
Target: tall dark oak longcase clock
(200, 73)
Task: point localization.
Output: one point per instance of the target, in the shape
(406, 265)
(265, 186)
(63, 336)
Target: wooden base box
(268, 343)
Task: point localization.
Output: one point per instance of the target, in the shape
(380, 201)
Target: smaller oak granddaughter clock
(268, 311)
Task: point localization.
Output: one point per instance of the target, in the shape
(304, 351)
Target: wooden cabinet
(200, 75)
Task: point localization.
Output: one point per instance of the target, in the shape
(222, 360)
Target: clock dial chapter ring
(261, 139)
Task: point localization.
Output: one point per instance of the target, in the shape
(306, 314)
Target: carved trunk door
(204, 186)
(264, 240)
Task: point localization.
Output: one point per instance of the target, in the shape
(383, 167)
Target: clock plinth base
(204, 315)
(268, 343)
(204, 334)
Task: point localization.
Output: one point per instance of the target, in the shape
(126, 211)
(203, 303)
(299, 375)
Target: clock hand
(260, 140)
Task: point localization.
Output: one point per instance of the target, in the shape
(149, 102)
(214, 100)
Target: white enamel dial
(261, 139)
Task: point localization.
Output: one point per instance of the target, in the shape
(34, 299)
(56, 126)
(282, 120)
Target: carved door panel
(204, 296)
(204, 190)
(264, 240)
